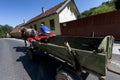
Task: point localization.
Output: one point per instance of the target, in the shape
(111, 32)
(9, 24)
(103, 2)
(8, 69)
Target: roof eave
(63, 6)
(39, 19)
(76, 6)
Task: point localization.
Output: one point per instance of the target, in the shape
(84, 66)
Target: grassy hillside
(103, 8)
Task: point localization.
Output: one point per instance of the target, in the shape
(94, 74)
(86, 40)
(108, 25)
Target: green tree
(103, 8)
(4, 29)
(117, 4)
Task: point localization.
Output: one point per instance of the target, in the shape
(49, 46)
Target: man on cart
(46, 31)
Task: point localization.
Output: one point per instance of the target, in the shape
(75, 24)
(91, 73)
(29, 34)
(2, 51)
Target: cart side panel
(84, 43)
(88, 59)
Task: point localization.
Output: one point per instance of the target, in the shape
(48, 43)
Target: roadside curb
(16, 39)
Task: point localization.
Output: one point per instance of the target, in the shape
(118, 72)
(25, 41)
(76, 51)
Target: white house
(63, 12)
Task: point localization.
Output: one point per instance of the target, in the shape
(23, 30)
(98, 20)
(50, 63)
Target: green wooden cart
(81, 53)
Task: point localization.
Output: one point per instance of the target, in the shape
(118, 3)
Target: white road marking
(118, 64)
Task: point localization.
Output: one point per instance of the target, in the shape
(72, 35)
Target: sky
(13, 12)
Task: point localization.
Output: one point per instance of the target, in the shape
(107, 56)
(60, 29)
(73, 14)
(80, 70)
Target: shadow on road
(42, 69)
(21, 49)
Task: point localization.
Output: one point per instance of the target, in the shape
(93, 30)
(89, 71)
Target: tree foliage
(4, 29)
(117, 4)
(103, 8)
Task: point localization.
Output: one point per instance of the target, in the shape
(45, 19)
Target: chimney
(24, 21)
(43, 10)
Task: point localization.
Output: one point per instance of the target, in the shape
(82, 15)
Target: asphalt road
(16, 65)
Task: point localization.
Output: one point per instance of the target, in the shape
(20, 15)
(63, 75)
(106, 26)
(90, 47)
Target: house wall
(68, 13)
(98, 26)
(47, 23)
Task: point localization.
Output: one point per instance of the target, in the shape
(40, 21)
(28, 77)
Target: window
(43, 23)
(52, 24)
(35, 26)
(31, 26)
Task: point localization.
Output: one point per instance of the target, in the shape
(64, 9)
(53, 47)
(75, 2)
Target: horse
(27, 33)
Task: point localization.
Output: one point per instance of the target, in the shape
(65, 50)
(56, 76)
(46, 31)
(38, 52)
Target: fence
(98, 26)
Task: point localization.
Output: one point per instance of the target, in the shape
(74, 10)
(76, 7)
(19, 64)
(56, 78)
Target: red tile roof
(47, 13)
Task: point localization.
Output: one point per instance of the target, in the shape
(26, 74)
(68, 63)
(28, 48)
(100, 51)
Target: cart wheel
(31, 54)
(102, 78)
(67, 75)
(63, 76)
